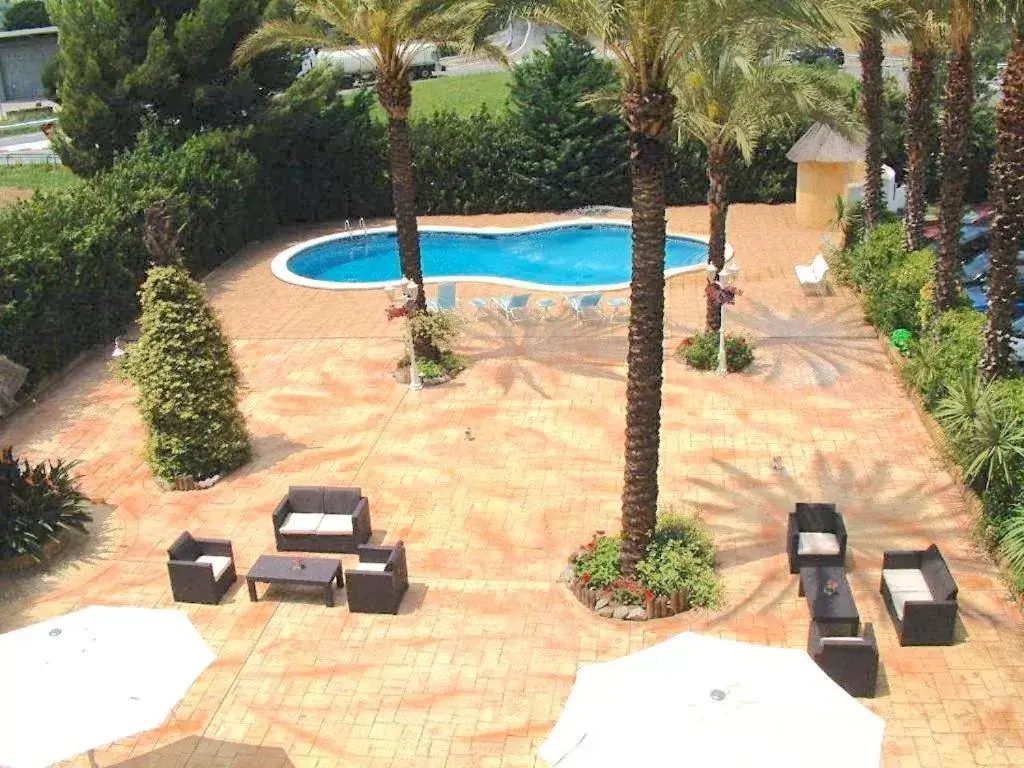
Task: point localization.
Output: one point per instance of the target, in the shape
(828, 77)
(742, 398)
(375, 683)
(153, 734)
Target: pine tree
(576, 154)
(125, 61)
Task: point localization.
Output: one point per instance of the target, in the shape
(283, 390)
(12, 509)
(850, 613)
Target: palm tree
(393, 32)
(1008, 196)
(646, 39)
(925, 33)
(731, 90)
(956, 116)
(872, 101)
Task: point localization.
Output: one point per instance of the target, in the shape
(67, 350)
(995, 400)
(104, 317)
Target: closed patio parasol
(696, 700)
(97, 675)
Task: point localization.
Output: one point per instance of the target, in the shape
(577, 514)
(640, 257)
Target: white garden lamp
(403, 304)
(84, 680)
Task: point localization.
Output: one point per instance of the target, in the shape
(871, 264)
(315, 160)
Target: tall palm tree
(646, 39)
(872, 101)
(732, 89)
(393, 32)
(925, 33)
(1008, 196)
(957, 101)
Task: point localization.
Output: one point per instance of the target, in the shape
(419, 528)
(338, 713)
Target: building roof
(823, 145)
(28, 32)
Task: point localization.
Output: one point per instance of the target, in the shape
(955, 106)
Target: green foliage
(322, 157)
(870, 261)
(574, 155)
(169, 60)
(464, 95)
(600, 561)
(187, 381)
(701, 352)
(939, 357)
(438, 329)
(1011, 544)
(894, 302)
(681, 557)
(37, 504)
(26, 14)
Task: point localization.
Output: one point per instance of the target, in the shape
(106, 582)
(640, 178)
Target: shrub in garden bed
(38, 503)
(439, 329)
(676, 572)
(700, 351)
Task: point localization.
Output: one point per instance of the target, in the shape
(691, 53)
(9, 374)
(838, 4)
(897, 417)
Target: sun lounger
(514, 307)
(445, 301)
(584, 303)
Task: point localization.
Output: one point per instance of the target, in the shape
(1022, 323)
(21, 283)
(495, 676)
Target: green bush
(187, 381)
(701, 352)
(894, 302)
(940, 356)
(681, 557)
(37, 504)
(598, 562)
(868, 263)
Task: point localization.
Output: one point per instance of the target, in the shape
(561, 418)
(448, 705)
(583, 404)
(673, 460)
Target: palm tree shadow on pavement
(196, 752)
(592, 349)
(816, 348)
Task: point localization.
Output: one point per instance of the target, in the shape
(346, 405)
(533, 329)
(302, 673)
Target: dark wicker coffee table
(314, 571)
(837, 613)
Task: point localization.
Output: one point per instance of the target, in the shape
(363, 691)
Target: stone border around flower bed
(603, 604)
(402, 377)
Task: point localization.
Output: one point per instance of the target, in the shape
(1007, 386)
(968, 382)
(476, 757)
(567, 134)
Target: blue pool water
(571, 257)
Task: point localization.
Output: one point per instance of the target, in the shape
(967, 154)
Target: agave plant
(959, 410)
(995, 447)
(1011, 543)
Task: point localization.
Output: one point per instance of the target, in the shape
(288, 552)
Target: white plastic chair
(813, 274)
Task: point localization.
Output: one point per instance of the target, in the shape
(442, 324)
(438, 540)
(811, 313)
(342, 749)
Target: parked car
(814, 55)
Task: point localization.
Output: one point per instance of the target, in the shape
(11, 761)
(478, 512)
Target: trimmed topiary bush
(188, 381)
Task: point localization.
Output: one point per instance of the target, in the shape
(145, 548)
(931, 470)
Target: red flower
(648, 595)
(585, 577)
(687, 342)
(591, 546)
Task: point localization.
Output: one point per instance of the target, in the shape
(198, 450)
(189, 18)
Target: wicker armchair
(201, 570)
(920, 595)
(816, 535)
(319, 519)
(378, 582)
(852, 662)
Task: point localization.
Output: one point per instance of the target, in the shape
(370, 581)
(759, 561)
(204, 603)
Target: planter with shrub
(439, 330)
(39, 505)
(676, 573)
(700, 351)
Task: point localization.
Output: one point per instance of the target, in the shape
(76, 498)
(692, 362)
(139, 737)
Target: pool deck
(478, 663)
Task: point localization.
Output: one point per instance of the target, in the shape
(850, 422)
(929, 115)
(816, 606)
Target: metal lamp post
(403, 304)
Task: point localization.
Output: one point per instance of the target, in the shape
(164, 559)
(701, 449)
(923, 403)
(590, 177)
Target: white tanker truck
(360, 68)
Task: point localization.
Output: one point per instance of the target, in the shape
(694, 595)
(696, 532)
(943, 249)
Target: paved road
(26, 149)
(21, 138)
(521, 40)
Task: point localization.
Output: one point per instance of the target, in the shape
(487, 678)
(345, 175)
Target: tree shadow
(592, 349)
(84, 556)
(197, 751)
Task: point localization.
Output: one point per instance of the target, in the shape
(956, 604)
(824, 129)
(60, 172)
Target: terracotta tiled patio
(475, 669)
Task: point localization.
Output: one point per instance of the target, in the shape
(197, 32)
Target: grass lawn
(462, 94)
(18, 182)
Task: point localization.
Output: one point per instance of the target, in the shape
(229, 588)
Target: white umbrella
(695, 700)
(92, 677)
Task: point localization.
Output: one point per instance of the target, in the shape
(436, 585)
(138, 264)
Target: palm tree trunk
(1008, 219)
(649, 118)
(953, 169)
(403, 194)
(919, 131)
(718, 206)
(872, 105)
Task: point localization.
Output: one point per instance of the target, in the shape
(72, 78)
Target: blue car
(977, 268)
(976, 294)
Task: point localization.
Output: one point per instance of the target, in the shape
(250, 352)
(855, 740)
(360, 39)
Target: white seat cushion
(219, 563)
(817, 544)
(301, 522)
(370, 567)
(905, 584)
(335, 524)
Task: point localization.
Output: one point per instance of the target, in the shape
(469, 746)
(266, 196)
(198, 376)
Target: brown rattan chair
(319, 519)
(816, 535)
(201, 570)
(380, 579)
(920, 595)
(852, 662)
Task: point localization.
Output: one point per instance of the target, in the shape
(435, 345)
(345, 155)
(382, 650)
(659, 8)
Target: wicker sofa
(816, 535)
(201, 570)
(380, 579)
(920, 595)
(852, 662)
(321, 519)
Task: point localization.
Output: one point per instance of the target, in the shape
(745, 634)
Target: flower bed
(676, 573)
(700, 351)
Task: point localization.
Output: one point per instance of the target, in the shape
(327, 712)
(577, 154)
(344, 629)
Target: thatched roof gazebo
(826, 164)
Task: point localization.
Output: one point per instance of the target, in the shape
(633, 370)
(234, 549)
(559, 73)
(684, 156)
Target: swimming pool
(574, 255)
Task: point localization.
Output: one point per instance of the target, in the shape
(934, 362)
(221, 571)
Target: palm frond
(275, 35)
